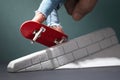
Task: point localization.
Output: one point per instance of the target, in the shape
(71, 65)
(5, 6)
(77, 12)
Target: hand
(79, 8)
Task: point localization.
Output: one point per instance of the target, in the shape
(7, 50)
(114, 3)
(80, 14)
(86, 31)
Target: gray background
(14, 12)
(103, 73)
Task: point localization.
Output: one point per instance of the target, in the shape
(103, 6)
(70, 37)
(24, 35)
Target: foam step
(56, 56)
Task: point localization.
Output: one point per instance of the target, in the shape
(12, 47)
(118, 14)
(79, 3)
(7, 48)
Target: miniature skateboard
(42, 34)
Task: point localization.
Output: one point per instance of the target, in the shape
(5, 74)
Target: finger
(70, 5)
(82, 8)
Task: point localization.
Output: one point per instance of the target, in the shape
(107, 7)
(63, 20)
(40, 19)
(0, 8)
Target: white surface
(70, 46)
(105, 43)
(80, 53)
(55, 51)
(107, 57)
(97, 36)
(65, 59)
(93, 48)
(108, 32)
(47, 65)
(114, 40)
(83, 41)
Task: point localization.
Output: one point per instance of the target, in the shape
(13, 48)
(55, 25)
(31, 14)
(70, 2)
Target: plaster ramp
(71, 51)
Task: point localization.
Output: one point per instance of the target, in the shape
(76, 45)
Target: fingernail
(77, 16)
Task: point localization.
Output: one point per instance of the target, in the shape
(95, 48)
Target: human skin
(79, 8)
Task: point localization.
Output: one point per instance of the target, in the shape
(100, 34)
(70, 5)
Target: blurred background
(14, 12)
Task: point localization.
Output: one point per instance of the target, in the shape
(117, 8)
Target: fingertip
(77, 16)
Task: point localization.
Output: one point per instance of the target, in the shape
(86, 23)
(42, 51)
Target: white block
(83, 41)
(55, 51)
(55, 63)
(43, 57)
(34, 67)
(36, 59)
(96, 36)
(70, 46)
(114, 40)
(47, 65)
(108, 32)
(16, 65)
(65, 59)
(80, 53)
(93, 48)
(105, 43)
(22, 70)
(39, 56)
